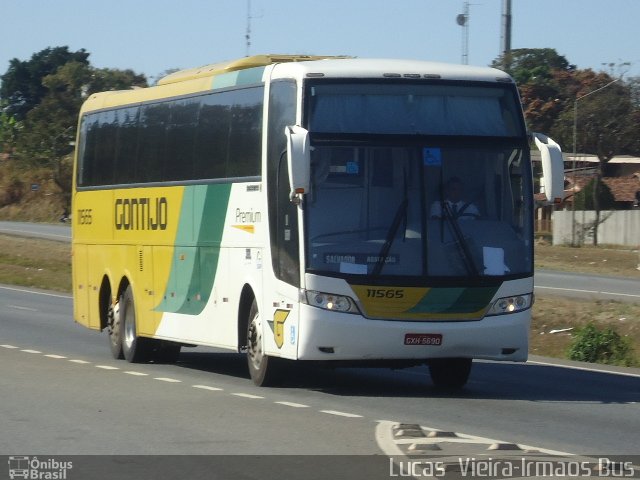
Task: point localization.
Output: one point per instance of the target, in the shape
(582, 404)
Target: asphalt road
(62, 393)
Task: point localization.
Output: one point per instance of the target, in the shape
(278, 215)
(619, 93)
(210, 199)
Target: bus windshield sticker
(353, 268)
(432, 157)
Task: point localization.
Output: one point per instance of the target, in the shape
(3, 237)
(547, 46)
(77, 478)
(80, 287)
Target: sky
(152, 36)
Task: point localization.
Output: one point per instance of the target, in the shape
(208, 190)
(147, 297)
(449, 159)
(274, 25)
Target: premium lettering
(141, 213)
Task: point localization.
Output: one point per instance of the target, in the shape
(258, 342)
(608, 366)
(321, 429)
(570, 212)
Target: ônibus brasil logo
(36, 469)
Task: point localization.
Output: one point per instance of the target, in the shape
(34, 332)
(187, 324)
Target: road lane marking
(168, 380)
(207, 387)
(42, 235)
(26, 350)
(598, 292)
(292, 404)
(341, 414)
(585, 369)
(81, 362)
(247, 395)
(136, 374)
(69, 297)
(107, 367)
(8, 346)
(55, 356)
(18, 307)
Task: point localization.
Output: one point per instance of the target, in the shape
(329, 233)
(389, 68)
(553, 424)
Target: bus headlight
(330, 301)
(513, 304)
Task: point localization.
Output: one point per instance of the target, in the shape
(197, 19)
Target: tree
(539, 74)
(22, 87)
(607, 124)
(41, 99)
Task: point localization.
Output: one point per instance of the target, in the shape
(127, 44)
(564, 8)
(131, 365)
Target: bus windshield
(415, 109)
(430, 210)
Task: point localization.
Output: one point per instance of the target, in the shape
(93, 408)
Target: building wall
(620, 227)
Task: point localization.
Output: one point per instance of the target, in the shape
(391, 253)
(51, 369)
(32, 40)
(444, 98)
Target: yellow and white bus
(283, 206)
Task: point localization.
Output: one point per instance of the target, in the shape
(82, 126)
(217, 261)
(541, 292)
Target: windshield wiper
(461, 242)
(401, 214)
(391, 235)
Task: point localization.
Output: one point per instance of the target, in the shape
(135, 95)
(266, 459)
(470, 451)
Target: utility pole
(505, 37)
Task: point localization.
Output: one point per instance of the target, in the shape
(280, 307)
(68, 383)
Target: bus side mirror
(552, 168)
(298, 161)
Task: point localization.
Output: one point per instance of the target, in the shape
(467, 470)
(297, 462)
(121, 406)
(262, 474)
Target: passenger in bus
(454, 199)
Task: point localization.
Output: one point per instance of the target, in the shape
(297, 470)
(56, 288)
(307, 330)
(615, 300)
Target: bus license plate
(434, 339)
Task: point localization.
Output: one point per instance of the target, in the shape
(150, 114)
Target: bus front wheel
(261, 366)
(134, 348)
(450, 373)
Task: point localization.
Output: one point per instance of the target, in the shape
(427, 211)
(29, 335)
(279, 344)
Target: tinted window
(213, 136)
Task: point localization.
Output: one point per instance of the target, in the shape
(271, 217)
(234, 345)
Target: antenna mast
(463, 21)
(248, 34)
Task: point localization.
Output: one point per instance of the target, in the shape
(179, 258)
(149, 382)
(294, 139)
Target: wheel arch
(247, 296)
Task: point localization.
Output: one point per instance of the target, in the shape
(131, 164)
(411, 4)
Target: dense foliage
(40, 100)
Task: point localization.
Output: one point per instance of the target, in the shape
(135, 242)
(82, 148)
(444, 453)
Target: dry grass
(557, 313)
(597, 260)
(35, 263)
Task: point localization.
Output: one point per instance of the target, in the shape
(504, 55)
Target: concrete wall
(621, 227)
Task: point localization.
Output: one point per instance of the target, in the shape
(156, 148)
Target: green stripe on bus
(455, 300)
(197, 249)
(250, 76)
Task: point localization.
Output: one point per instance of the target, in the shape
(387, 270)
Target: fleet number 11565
(385, 293)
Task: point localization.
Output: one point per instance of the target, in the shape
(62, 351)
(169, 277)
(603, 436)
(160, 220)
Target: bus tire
(134, 348)
(262, 368)
(450, 373)
(114, 331)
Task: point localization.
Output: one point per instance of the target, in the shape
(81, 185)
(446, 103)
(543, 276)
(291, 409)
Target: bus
(282, 206)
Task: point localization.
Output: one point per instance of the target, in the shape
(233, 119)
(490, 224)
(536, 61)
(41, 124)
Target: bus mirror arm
(552, 168)
(298, 161)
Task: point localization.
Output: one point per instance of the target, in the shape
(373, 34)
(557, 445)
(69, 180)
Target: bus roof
(389, 68)
(235, 65)
(291, 66)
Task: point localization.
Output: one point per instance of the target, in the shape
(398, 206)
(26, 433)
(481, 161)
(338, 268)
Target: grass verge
(35, 263)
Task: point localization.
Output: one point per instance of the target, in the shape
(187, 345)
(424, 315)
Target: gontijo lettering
(141, 213)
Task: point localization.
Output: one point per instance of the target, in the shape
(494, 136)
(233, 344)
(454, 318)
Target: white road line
(590, 291)
(136, 374)
(586, 369)
(168, 380)
(18, 307)
(55, 356)
(81, 362)
(292, 404)
(341, 414)
(207, 387)
(8, 346)
(69, 297)
(247, 395)
(26, 350)
(36, 234)
(107, 367)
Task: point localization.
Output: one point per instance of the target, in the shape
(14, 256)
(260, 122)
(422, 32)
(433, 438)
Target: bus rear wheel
(262, 368)
(450, 373)
(134, 348)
